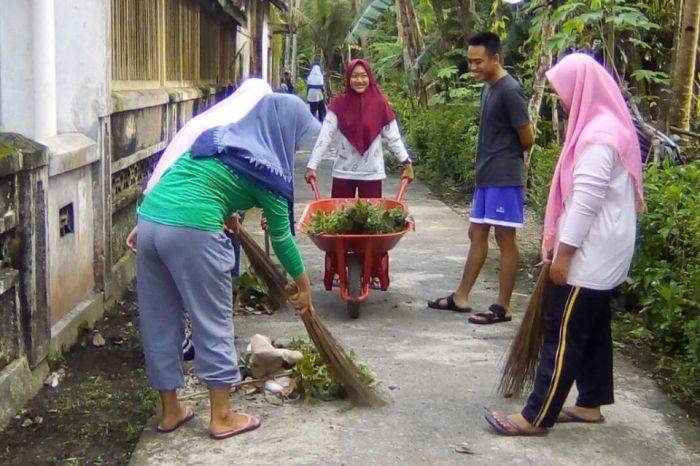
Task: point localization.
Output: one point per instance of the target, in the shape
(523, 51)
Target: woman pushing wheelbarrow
(355, 123)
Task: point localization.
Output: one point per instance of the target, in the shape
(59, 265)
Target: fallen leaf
(27, 422)
(464, 448)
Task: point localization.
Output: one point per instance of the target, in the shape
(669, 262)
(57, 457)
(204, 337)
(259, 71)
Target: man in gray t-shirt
(499, 153)
(504, 134)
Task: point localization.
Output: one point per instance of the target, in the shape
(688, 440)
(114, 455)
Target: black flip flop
(494, 315)
(448, 305)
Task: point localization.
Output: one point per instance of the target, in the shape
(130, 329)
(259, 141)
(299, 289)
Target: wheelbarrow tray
(353, 243)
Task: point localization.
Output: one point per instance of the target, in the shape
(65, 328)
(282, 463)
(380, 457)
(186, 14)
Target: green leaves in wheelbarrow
(362, 218)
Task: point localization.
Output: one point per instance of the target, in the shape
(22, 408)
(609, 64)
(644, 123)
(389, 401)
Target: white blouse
(349, 163)
(600, 220)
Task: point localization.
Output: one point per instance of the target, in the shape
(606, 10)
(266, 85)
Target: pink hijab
(597, 115)
(229, 110)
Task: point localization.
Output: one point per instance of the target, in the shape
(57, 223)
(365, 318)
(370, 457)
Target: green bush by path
(442, 141)
(664, 282)
(542, 164)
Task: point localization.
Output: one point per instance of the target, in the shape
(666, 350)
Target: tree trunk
(466, 19)
(255, 20)
(544, 62)
(412, 42)
(684, 67)
(288, 40)
(438, 9)
(294, 41)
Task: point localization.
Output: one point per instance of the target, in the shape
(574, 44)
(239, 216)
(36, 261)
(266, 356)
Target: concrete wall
(71, 268)
(16, 68)
(82, 65)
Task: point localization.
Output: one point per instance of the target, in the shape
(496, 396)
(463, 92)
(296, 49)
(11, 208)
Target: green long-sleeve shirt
(201, 193)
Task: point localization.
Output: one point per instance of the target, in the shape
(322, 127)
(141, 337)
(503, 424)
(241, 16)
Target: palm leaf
(370, 11)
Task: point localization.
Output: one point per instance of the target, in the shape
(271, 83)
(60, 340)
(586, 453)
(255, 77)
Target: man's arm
(526, 136)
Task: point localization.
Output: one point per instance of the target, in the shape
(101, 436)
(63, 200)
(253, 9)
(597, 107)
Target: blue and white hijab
(315, 78)
(260, 147)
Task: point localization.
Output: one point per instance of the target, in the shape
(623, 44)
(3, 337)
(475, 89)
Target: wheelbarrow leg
(330, 271)
(354, 284)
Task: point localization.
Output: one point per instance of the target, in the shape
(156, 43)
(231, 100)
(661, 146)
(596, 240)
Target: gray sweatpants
(182, 270)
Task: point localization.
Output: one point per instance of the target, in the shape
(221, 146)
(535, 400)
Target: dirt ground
(97, 412)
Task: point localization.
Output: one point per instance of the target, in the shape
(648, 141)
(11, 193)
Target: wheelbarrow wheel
(354, 285)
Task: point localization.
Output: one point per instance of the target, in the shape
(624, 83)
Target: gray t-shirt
(499, 155)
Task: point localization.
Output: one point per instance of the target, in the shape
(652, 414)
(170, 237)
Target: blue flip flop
(515, 430)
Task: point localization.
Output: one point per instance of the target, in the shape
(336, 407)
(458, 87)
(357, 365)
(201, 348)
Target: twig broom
(521, 363)
(345, 372)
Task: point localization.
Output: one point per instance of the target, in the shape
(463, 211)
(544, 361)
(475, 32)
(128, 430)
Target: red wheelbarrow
(355, 258)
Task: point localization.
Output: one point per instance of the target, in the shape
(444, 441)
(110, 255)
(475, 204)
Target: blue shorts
(500, 206)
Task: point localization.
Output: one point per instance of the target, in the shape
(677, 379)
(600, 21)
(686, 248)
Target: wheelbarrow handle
(314, 187)
(402, 188)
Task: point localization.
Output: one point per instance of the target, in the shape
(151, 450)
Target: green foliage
(665, 278)
(542, 164)
(252, 290)
(443, 144)
(313, 377)
(361, 218)
(324, 24)
(369, 13)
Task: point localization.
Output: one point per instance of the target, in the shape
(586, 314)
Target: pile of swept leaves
(313, 377)
(361, 218)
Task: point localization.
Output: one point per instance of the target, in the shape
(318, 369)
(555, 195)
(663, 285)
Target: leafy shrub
(664, 281)
(542, 164)
(443, 143)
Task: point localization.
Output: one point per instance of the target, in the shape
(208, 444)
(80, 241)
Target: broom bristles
(523, 356)
(343, 369)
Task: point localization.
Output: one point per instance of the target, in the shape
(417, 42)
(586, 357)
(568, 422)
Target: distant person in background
(314, 92)
(287, 85)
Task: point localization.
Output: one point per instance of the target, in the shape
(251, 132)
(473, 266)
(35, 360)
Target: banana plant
(370, 11)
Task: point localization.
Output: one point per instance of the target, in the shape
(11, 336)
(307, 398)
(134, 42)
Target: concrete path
(443, 371)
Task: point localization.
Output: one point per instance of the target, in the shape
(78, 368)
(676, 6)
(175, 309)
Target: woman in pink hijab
(589, 232)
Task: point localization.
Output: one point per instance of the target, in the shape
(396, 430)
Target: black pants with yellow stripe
(577, 347)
